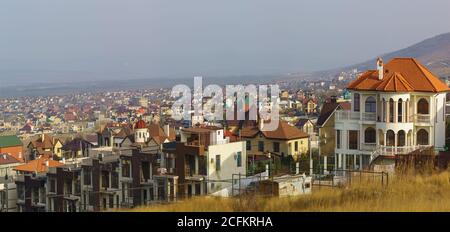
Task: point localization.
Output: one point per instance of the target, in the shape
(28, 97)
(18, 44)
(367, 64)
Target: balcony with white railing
(404, 150)
(369, 116)
(368, 146)
(422, 118)
(345, 115)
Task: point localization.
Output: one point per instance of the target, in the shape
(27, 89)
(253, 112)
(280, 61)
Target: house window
(53, 186)
(217, 162)
(338, 139)
(114, 180)
(296, 146)
(370, 135)
(248, 145)
(126, 168)
(422, 137)
(276, 147)
(261, 146)
(353, 140)
(401, 138)
(111, 201)
(391, 110)
(390, 137)
(105, 179)
(91, 198)
(87, 176)
(422, 106)
(239, 159)
(356, 104)
(371, 105)
(400, 110)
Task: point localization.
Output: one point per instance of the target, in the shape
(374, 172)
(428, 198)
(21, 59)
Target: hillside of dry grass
(404, 193)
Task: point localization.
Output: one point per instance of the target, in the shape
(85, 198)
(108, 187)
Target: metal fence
(341, 178)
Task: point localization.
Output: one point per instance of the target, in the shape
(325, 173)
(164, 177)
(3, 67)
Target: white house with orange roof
(395, 110)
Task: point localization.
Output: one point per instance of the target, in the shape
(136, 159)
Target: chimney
(261, 123)
(46, 163)
(20, 155)
(380, 68)
(42, 136)
(4, 156)
(167, 130)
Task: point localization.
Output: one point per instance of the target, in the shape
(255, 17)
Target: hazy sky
(168, 38)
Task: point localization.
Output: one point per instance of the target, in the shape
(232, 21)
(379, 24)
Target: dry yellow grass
(406, 193)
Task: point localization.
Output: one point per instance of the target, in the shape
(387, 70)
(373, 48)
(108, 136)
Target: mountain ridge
(433, 52)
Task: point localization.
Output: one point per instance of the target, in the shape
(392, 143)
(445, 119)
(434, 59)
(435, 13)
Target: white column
(407, 111)
(360, 162)
(403, 111)
(395, 111)
(382, 111)
(325, 165)
(336, 161)
(344, 161)
(395, 142)
(388, 103)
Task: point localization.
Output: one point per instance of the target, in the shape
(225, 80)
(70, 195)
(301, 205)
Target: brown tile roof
(159, 139)
(155, 130)
(48, 143)
(284, 131)
(38, 165)
(8, 159)
(400, 75)
(328, 108)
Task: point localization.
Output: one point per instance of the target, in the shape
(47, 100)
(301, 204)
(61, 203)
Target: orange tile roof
(400, 75)
(38, 165)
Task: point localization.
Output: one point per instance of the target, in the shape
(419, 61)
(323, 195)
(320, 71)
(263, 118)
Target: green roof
(10, 141)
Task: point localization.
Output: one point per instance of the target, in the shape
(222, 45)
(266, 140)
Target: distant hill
(434, 53)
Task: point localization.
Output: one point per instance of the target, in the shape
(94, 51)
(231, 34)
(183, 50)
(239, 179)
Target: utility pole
(310, 157)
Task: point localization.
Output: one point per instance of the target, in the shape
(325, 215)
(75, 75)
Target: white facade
(388, 123)
(224, 160)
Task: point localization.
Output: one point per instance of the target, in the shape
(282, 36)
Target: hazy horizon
(64, 41)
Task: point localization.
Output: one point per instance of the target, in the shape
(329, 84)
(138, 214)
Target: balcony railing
(391, 150)
(369, 116)
(347, 115)
(368, 146)
(422, 118)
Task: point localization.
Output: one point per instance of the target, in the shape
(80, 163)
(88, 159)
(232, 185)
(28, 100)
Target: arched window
(370, 135)
(356, 103)
(401, 138)
(371, 105)
(422, 106)
(391, 110)
(390, 137)
(422, 137)
(400, 110)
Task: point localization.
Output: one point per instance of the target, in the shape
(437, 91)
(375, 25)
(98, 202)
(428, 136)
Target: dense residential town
(102, 151)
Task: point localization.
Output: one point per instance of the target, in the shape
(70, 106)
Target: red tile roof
(140, 124)
(400, 75)
(38, 165)
(8, 159)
